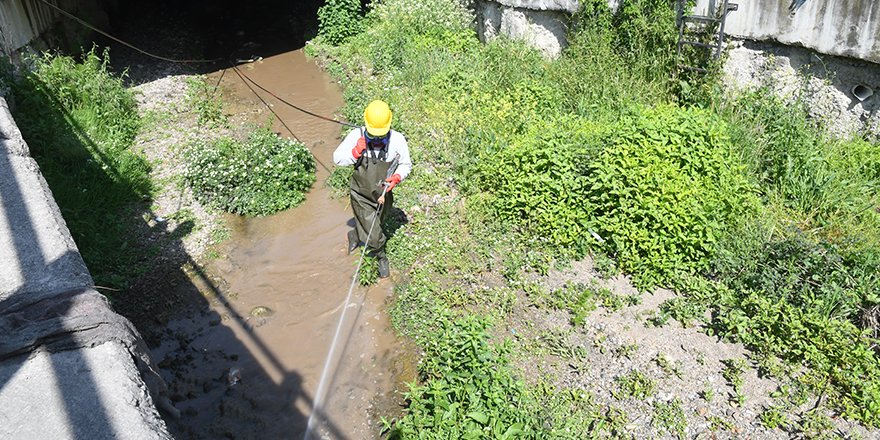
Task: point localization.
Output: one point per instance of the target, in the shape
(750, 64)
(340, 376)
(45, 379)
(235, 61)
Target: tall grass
(528, 143)
(80, 122)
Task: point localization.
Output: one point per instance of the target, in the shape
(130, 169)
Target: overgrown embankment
(141, 173)
(764, 225)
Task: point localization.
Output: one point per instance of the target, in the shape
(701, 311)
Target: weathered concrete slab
(38, 254)
(542, 24)
(70, 367)
(570, 6)
(850, 28)
(94, 393)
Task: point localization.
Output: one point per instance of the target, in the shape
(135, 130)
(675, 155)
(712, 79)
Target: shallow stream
(250, 367)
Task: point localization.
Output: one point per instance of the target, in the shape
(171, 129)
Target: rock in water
(262, 312)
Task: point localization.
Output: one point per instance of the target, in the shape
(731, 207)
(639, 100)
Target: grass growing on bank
(745, 207)
(79, 121)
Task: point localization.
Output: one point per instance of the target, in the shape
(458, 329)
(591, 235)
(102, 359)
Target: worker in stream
(381, 161)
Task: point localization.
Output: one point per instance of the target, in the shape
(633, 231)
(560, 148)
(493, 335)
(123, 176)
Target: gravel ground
(683, 363)
(173, 126)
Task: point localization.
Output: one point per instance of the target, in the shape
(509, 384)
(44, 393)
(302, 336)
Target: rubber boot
(353, 241)
(384, 269)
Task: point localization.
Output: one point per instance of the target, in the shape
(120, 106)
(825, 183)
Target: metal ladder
(717, 17)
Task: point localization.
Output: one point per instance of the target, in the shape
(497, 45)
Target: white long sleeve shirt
(396, 145)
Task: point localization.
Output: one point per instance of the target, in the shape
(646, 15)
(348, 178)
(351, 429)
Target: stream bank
(240, 312)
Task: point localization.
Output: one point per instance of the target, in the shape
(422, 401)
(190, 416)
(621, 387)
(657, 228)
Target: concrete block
(94, 393)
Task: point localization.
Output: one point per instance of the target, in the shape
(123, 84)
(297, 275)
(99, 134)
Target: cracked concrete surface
(70, 367)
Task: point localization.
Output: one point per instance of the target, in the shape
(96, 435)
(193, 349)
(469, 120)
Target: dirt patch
(637, 369)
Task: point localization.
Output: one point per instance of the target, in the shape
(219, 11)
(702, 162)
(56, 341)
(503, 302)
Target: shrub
(262, 176)
(339, 20)
(664, 190)
(539, 183)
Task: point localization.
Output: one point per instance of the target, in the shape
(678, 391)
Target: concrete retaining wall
(541, 23)
(817, 49)
(826, 82)
(849, 28)
(70, 368)
(27, 25)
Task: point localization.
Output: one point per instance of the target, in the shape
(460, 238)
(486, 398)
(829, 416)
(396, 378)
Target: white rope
(319, 395)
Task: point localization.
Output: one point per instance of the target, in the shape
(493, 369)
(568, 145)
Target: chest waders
(369, 172)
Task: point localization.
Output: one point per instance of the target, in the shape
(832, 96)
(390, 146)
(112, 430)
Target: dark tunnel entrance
(222, 30)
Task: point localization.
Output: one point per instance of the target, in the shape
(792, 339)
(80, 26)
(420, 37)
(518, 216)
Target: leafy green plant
(708, 392)
(339, 20)
(339, 181)
(666, 365)
(733, 373)
(664, 190)
(669, 417)
(808, 275)
(635, 384)
(205, 102)
(262, 176)
(772, 417)
(80, 121)
(369, 272)
(626, 350)
(467, 391)
(539, 183)
(815, 425)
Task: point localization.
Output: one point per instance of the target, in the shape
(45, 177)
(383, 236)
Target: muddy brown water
(252, 373)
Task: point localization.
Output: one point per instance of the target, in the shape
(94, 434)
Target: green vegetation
(203, 99)
(743, 205)
(80, 122)
(261, 176)
(635, 385)
(669, 417)
(339, 20)
(773, 418)
(733, 373)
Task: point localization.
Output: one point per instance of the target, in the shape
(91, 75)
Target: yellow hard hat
(378, 118)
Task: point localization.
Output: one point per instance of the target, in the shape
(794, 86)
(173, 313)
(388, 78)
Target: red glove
(393, 181)
(359, 148)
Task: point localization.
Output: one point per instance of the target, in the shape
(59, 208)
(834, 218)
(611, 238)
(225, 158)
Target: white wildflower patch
(262, 176)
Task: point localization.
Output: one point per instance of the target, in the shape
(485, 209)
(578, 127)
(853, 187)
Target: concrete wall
(21, 21)
(848, 28)
(819, 50)
(826, 82)
(541, 23)
(27, 25)
(70, 368)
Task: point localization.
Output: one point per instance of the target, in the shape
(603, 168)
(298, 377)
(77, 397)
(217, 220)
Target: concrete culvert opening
(232, 370)
(862, 92)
